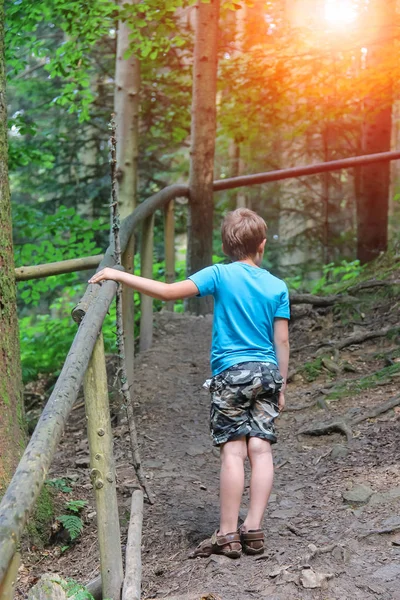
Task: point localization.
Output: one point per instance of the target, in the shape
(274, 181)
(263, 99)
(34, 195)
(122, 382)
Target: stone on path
(359, 494)
(388, 572)
(49, 587)
(312, 579)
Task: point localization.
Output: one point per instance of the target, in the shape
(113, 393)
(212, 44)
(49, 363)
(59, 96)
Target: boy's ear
(262, 245)
(223, 250)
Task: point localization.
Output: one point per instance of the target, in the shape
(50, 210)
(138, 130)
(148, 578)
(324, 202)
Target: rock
(359, 494)
(83, 461)
(285, 513)
(384, 497)
(388, 572)
(153, 464)
(48, 587)
(339, 451)
(196, 450)
(311, 579)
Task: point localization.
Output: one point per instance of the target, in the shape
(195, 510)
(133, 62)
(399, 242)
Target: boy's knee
(258, 446)
(234, 448)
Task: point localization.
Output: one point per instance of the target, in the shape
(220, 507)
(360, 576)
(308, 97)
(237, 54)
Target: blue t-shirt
(247, 299)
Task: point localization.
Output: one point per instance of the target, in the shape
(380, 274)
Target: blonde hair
(242, 232)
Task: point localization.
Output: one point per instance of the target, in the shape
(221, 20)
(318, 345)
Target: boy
(250, 340)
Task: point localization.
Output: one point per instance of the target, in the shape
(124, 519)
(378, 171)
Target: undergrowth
(349, 388)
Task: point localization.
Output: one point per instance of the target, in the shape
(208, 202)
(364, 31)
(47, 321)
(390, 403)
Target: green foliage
(371, 381)
(313, 369)
(72, 524)
(76, 506)
(51, 238)
(39, 524)
(336, 274)
(78, 24)
(76, 591)
(59, 484)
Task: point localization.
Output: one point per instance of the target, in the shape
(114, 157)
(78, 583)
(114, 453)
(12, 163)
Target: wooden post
(169, 248)
(103, 472)
(146, 302)
(128, 313)
(7, 586)
(133, 559)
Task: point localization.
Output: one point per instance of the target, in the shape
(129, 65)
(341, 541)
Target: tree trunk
(200, 226)
(11, 411)
(374, 185)
(126, 107)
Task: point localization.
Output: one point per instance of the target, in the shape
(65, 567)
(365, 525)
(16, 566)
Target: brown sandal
(227, 545)
(252, 541)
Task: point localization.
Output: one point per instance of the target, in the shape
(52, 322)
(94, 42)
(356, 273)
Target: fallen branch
(315, 551)
(378, 410)
(359, 338)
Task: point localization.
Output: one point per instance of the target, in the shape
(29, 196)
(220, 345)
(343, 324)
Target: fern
(76, 506)
(72, 524)
(76, 591)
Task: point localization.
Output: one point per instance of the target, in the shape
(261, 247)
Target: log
(25, 486)
(128, 226)
(7, 586)
(294, 172)
(133, 561)
(57, 268)
(103, 471)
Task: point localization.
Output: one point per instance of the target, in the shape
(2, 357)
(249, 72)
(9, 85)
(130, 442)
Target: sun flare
(340, 12)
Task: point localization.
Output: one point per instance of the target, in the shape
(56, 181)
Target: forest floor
(333, 521)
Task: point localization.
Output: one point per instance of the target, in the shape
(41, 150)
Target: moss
(38, 527)
(313, 369)
(368, 382)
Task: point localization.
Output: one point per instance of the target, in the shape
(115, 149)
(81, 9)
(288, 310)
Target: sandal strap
(255, 535)
(228, 538)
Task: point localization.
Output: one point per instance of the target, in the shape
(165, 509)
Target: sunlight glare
(340, 12)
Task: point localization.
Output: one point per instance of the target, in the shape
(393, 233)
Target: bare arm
(155, 289)
(281, 343)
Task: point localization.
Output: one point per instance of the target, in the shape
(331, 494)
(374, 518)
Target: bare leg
(262, 476)
(233, 455)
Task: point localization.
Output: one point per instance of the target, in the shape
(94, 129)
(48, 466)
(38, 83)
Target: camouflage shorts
(244, 402)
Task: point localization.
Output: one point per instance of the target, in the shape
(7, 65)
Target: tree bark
(11, 405)
(201, 204)
(374, 185)
(126, 106)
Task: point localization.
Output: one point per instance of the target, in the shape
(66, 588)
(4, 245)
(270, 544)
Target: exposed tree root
(383, 531)
(321, 300)
(345, 427)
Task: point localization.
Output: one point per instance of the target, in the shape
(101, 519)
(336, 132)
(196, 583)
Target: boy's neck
(250, 260)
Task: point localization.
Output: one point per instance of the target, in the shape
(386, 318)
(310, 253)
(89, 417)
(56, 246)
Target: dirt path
(314, 536)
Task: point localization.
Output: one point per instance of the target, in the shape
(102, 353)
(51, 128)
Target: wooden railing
(85, 364)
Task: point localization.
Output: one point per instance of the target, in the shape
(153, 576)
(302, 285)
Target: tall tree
(374, 183)
(11, 436)
(202, 150)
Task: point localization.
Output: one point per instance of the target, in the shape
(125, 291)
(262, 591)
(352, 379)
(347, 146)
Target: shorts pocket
(239, 377)
(271, 379)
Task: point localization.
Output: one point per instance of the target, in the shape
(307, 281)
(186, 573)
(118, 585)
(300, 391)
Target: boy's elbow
(283, 342)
